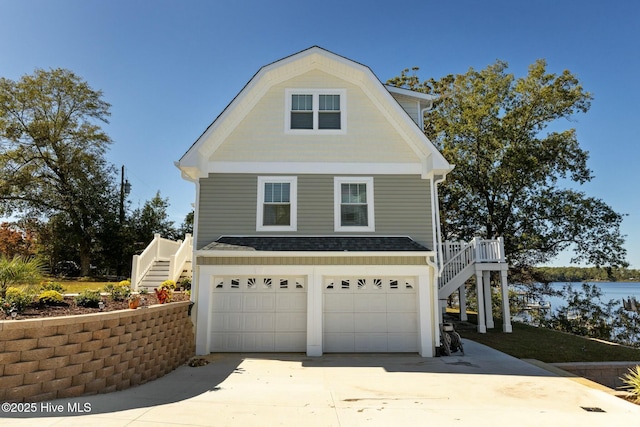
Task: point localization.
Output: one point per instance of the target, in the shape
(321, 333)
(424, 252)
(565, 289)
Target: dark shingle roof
(332, 244)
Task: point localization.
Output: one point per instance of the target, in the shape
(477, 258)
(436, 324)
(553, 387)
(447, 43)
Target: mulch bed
(70, 308)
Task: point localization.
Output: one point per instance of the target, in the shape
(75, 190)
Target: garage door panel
(367, 322)
(228, 341)
(259, 302)
(258, 342)
(371, 342)
(259, 322)
(338, 322)
(402, 342)
(226, 323)
(339, 342)
(338, 302)
(368, 302)
(291, 322)
(290, 341)
(294, 302)
(401, 303)
(227, 302)
(258, 314)
(370, 314)
(399, 322)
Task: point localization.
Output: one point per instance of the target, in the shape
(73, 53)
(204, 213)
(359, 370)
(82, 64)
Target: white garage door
(370, 314)
(258, 314)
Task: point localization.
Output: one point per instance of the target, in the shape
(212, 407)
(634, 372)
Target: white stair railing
(159, 249)
(459, 255)
(182, 255)
(454, 264)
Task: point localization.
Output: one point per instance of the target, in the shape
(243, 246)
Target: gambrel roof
(196, 162)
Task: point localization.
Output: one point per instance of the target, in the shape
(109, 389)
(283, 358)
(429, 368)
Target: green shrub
(89, 298)
(52, 286)
(18, 298)
(19, 271)
(186, 283)
(50, 297)
(631, 382)
(120, 291)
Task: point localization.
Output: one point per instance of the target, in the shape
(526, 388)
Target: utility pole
(125, 189)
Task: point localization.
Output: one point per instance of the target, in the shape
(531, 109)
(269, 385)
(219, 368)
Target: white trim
(411, 93)
(316, 96)
(337, 202)
(331, 168)
(293, 203)
(304, 254)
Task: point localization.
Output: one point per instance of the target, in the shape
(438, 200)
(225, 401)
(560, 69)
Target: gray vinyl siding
(228, 205)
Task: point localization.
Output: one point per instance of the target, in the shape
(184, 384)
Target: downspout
(422, 113)
(437, 219)
(435, 203)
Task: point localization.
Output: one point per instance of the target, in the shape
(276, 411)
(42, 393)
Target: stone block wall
(71, 356)
(605, 373)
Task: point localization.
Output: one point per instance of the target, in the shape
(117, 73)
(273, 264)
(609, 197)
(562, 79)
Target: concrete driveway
(482, 388)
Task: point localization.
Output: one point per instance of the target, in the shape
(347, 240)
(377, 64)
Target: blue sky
(169, 67)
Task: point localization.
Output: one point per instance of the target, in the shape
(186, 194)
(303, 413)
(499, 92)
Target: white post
(203, 310)
(135, 266)
(488, 305)
(462, 299)
(156, 239)
(506, 311)
(314, 314)
(425, 307)
(482, 327)
(476, 247)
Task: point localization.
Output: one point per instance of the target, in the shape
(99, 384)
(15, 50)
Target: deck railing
(459, 255)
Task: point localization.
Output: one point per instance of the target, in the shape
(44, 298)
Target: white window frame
(293, 203)
(316, 103)
(337, 203)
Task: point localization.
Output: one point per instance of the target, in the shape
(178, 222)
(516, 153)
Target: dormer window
(315, 111)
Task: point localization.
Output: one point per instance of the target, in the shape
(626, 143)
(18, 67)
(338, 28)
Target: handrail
(182, 255)
(159, 248)
(457, 263)
(459, 255)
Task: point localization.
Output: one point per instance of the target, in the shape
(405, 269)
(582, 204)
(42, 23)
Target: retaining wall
(71, 356)
(605, 373)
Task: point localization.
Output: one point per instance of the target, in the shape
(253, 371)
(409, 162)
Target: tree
(52, 154)
(509, 166)
(152, 219)
(187, 225)
(15, 241)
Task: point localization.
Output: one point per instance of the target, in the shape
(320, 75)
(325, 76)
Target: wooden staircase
(463, 260)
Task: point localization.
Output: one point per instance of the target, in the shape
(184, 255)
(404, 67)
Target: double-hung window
(353, 204)
(277, 204)
(315, 110)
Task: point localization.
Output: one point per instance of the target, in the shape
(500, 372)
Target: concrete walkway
(482, 388)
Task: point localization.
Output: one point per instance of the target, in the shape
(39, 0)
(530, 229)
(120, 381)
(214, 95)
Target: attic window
(315, 111)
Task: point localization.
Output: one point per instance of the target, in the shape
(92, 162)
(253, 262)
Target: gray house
(316, 222)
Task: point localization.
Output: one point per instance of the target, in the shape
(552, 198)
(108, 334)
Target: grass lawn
(75, 286)
(546, 345)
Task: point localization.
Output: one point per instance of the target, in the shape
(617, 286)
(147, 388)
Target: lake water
(610, 291)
